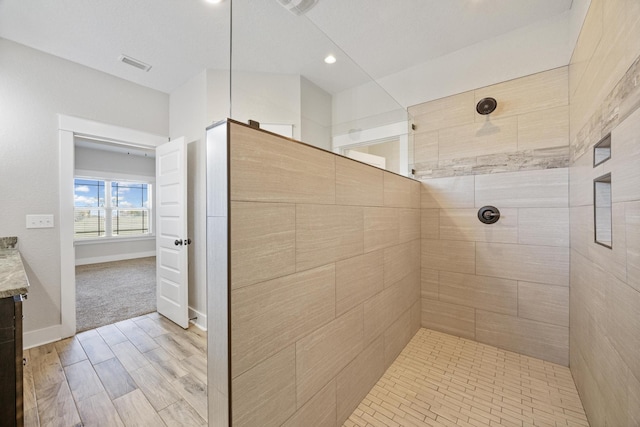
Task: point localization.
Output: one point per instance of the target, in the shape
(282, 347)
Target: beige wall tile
(487, 293)
(401, 260)
(544, 303)
(381, 228)
(542, 340)
(444, 112)
(262, 242)
(609, 61)
(396, 337)
(327, 233)
(425, 147)
(384, 308)
(266, 394)
(454, 192)
(623, 317)
(625, 149)
(400, 192)
(479, 139)
(320, 410)
(525, 189)
(613, 260)
(463, 224)
(449, 255)
(581, 223)
(415, 189)
(593, 401)
(543, 226)
(449, 318)
(581, 175)
(632, 221)
(542, 264)
(269, 168)
(430, 283)
(317, 358)
(586, 290)
(633, 387)
(416, 317)
(269, 316)
(540, 91)
(409, 220)
(430, 223)
(604, 287)
(358, 184)
(358, 279)
(544, 129)
(358, 377)
(585, 45)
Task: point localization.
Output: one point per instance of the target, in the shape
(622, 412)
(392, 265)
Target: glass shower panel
(279, 78)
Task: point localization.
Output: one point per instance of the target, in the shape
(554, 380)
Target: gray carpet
(113, 291)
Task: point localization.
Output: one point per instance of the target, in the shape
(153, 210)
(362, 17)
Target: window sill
(93, 241)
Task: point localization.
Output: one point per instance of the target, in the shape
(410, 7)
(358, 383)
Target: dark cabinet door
(11, 362)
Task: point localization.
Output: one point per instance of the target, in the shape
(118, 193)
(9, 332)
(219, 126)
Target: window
(110, 208)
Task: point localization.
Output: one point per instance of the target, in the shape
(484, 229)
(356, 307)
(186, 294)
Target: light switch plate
(39, 221)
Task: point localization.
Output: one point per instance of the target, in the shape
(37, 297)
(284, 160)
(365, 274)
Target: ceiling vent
(134, 62)
(298, 7)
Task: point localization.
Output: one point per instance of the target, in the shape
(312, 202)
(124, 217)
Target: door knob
(178, 242)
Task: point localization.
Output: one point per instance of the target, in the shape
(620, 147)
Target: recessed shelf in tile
(602, 151)
(602, 210)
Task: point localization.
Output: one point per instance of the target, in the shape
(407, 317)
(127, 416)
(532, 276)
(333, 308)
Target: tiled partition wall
(604, 91)
(505, 284)
(325, 279)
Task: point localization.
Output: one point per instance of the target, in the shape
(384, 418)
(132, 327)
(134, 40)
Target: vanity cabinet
(11, 359)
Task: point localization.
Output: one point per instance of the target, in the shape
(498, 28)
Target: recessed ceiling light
(214, 1)
(330, 59)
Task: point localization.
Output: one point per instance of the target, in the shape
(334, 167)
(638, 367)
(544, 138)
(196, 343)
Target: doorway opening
(386, 147)
(114, 239)
(95, 157)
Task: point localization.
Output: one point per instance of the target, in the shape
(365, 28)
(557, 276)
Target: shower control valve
(488, 214)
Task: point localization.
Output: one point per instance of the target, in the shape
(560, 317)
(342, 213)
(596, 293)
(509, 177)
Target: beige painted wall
(35, 88)
(604, 90)
(325, 279)
(504, 284)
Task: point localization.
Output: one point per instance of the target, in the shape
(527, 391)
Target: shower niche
(602, 211)
(602, 151)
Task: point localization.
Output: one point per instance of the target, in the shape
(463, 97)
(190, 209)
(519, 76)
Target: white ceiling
(180, 38)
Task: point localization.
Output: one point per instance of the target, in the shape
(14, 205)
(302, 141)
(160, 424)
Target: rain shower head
(486, 106)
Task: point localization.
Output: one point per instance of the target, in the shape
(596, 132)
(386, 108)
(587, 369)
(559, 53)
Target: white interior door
(171, 231)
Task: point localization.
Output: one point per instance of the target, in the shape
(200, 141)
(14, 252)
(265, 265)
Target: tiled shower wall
(604, 91)
(325, 279)
(505, 284)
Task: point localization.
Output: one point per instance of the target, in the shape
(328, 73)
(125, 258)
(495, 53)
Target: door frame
(68, 128)
(378, 135)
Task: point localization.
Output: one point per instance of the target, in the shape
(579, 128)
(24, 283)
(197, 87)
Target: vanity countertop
(13, 279)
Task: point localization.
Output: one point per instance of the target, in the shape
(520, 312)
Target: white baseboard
(41, 336)
(200, 319)
(54, 333)
(116, 257)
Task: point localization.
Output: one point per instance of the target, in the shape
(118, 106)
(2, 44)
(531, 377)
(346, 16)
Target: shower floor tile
(442, 380)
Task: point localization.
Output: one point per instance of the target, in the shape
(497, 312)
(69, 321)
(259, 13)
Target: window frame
(108, 209)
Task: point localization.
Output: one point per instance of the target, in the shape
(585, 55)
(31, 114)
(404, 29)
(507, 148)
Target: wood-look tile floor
(441, 380)
(145, 371)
